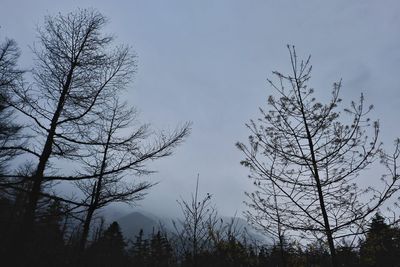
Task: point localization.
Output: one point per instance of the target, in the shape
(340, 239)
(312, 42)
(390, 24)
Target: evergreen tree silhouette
(160, 251)
(381, 246)
(109, 250)
(139, 251)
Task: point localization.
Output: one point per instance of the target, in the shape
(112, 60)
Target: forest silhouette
(65, 122)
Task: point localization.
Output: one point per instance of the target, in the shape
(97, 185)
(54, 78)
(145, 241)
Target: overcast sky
(207, 62)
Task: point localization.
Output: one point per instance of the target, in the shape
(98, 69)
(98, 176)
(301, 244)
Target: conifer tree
(139, 252)
(109, 250)
(382, 244)
(160, 251)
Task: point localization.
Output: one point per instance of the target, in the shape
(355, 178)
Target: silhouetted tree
(230, 252)
(382, 244)
(47, 247)
(109, 250)
(193, 232)
(161, 253)
(75, 72)
(139, 252)
(267, 216)
(316, 254)
(347, 255)
(120, 158)
(302, 149)
(10, 78)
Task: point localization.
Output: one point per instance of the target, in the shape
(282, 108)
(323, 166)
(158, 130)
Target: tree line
(218, 244)
(67, 124)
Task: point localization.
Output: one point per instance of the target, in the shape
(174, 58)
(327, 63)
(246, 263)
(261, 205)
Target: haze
(208, 61)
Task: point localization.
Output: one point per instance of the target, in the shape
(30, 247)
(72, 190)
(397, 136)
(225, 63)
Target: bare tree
(302, 150)
(266, 214)
(391, 164)
(76, 70)
(77, 73)
(10, 78)
(114, 182)
(193, 233)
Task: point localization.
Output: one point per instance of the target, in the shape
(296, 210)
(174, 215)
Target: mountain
(133, 222)
(240, 225)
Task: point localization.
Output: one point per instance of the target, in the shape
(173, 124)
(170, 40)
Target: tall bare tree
(120, 158)
(76, 71)
(304, 151)
(10, 78)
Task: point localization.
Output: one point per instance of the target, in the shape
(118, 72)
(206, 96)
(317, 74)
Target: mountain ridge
(131, 224)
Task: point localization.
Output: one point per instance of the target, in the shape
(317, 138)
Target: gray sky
(208, 61)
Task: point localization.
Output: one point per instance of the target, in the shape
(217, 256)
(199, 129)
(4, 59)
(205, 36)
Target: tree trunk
(34, 194)
(84, 237)
(95, 198)
(282, 250)
(85, 230)
(317, 179)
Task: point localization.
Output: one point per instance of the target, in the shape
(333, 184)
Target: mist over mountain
(131, 224)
